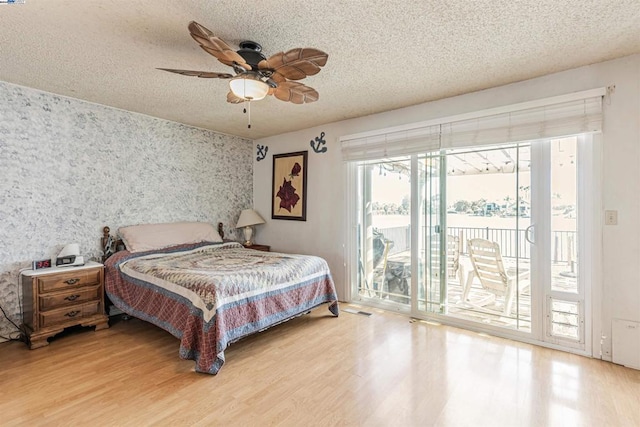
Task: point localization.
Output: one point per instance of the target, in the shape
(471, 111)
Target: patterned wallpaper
(68, 168)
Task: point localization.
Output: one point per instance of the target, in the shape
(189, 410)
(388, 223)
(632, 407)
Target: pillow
(148, 237)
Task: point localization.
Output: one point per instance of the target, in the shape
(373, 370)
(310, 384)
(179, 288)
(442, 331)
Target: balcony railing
(512, 242)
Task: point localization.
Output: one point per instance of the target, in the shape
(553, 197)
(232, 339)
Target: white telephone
(69, 256)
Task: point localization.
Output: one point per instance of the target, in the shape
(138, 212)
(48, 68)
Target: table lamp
(249, 218)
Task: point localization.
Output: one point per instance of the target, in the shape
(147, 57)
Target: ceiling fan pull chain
(248, 110)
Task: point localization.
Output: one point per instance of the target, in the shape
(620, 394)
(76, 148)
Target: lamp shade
(249, 86)
(249, 217)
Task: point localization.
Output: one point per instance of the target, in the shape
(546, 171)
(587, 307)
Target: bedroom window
(450, 224)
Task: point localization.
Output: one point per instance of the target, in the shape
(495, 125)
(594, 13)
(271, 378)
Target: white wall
(323, 233)
(69, 167)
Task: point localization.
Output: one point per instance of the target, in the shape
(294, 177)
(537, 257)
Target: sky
(393, 187)
(492, 187)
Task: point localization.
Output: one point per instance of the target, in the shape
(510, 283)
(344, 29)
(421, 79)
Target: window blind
(556, 117)
(392, 143)
(549, 121)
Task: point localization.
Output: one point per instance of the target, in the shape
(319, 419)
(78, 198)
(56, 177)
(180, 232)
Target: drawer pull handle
(72, 297)
(73, 313)
(71, 281)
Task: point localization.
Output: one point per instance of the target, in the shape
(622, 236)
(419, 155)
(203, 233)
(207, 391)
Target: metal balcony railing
(512, 242)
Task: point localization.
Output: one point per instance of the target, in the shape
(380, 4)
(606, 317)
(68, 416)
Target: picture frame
(289, 186)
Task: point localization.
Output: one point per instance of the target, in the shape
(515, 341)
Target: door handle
(527, 233)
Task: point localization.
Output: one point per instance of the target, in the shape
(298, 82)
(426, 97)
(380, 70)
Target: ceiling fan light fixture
(257, 75)
(249, 86)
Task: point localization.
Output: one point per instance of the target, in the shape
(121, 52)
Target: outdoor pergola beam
(466, 162)
(486, 160)
(508, 156)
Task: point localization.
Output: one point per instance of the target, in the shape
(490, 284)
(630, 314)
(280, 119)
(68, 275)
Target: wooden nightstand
(264, 248)
(59, 297)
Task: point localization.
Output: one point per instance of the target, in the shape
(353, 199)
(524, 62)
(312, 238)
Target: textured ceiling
(383, 54)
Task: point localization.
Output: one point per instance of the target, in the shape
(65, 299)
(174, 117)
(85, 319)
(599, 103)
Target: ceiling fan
(257, 76)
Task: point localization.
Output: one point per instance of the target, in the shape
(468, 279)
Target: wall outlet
(611, 217)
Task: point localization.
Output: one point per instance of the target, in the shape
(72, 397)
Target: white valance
(560, 116)
(392, 143)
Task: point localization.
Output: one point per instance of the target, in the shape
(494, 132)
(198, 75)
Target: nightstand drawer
(57, 298)
(72, 279)
(61, 299)
(68, 314)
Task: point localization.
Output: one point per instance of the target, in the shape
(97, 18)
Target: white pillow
(148, 237)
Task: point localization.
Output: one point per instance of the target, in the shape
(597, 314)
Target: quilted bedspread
(210, 295)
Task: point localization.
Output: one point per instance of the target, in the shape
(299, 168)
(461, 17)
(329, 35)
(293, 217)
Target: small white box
(625, 342)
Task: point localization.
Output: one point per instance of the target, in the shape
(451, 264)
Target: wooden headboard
(109, 244)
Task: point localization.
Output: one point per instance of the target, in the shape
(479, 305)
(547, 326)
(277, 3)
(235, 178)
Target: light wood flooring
(381, 370)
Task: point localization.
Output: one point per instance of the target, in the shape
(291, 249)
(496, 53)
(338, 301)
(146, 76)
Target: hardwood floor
(381, 370)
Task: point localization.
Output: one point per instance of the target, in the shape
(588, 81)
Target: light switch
(611, 217)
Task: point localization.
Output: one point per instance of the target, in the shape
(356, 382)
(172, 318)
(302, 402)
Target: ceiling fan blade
(233, 99)
(295, 92)
(201, 74)
(296, 64)
(216, 46)
(278, 78)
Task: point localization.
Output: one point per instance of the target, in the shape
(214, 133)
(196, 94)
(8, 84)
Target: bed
(208, 292)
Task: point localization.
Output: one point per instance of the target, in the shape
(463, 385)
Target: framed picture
(289, 196)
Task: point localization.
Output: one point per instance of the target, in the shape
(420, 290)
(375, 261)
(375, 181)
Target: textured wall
(68, 168)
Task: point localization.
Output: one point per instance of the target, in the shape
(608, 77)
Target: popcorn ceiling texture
(383, 54)
(69, 168)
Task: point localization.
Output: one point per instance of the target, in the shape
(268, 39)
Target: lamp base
(248, 232)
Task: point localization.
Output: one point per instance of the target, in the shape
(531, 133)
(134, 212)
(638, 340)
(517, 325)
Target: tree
(406, 203)
(461, 206)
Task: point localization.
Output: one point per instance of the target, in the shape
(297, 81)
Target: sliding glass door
(431, 235)
(480, 256)
(564, 292)
(384, 227)
(486, 236)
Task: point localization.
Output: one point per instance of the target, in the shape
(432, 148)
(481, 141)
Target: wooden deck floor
(378, 370)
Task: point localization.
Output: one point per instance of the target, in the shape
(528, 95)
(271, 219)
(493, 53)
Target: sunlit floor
(354, 370)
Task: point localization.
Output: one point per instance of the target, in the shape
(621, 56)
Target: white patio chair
(489, 268)
(454, 268)
(380, 271)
